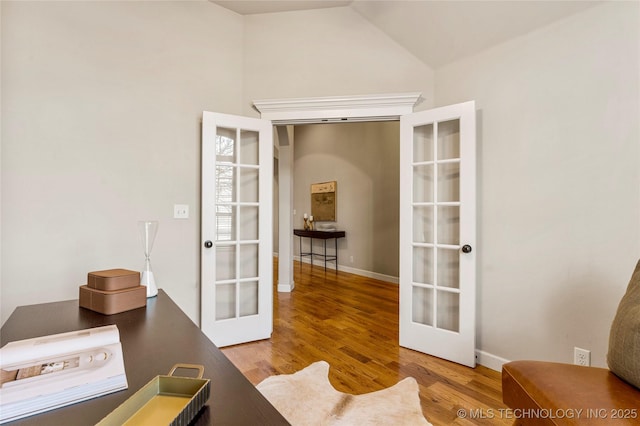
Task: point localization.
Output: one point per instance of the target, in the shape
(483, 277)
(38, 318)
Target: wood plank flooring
(351, 322)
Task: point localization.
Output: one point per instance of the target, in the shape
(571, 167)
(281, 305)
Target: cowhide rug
(308, 398)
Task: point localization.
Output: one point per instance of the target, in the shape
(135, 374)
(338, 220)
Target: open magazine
(49, 372)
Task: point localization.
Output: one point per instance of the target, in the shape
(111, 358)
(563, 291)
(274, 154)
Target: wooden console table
(153, 340)
(320, 235)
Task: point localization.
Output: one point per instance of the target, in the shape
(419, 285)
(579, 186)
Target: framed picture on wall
(323, 201)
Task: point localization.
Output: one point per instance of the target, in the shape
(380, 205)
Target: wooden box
(113, 279)
(113, 302)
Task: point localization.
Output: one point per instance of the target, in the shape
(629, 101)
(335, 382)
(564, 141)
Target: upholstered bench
(549, 393)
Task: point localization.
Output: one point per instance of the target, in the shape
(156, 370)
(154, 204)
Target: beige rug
(308, 398)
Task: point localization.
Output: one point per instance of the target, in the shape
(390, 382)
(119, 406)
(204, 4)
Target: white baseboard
(491, 361)
(343, 268)
(286, 288)
(369, 274)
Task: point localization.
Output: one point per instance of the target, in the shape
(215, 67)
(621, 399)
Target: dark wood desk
(153, 340)
(321, 235)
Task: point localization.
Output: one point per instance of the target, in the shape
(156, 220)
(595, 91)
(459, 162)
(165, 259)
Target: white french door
(438, 231)
(236, 256)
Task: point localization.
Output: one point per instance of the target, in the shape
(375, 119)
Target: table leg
(325, 255)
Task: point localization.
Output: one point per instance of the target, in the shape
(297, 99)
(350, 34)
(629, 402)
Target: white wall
(102, 104)
(559, 224)
(324, 53)
(364, 159)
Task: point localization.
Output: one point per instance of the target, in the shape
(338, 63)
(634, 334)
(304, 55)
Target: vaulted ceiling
(437, 32)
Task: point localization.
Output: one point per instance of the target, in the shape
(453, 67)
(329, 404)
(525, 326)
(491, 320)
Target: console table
(320, 235)
(153, 340)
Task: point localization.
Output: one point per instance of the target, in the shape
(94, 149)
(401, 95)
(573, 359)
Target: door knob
(466, 248)
(208, 244)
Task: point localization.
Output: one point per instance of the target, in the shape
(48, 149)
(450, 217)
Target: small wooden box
(113, 279)
(113, 302)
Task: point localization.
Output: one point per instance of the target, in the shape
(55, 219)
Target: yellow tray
(165, 400)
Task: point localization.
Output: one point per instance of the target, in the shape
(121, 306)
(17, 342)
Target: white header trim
(338, 109)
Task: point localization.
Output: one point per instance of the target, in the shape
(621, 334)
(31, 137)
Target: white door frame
(281, 112)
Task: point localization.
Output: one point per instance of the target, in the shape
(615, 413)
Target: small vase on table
(148, 231)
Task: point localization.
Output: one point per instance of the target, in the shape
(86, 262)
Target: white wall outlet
(581, 357)
(181, 211)
(351, 259)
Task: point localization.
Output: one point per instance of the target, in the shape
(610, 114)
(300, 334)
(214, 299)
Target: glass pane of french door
(436, 224)
(237, 183)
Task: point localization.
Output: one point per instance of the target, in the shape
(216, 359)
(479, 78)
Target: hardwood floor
(351, 322)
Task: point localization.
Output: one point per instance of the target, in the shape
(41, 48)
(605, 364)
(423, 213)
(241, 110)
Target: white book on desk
(49, 372)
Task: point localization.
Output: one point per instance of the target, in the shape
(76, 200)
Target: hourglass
(148, 230)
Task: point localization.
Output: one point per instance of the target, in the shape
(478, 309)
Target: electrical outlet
(581, 357)
(350, 259)
(181, 211)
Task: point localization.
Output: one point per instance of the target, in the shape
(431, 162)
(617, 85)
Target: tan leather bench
(550, 393)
